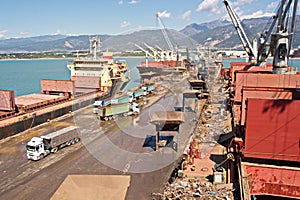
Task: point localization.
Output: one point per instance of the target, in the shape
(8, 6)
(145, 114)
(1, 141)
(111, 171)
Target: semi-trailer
(117, 110)
(121, 99)
(115, 100)
(134, 95)
(39, 147)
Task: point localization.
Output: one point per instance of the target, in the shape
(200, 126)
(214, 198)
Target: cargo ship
(256, 153)
(264, 100)
(91, 78)
(93, 73)
(163, 63)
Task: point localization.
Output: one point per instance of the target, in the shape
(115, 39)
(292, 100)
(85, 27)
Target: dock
(203, 172)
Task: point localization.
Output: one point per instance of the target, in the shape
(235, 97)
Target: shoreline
(72, 58)
(228, 58)
(67, 58)
(21, 59)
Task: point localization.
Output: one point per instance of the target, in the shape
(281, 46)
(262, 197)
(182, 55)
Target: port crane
(278, 43)
(163, 29)
(173, 53)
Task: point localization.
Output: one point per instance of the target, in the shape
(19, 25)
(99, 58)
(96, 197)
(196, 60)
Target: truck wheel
(110, 117)
(105, 118)
(42, 156)
(77, 140)
(55, 149)
(125, 114)
(73, 141)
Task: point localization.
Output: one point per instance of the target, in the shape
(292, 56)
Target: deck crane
(158, 47)
(147, 52)
(281, 40)
(239, 28)
(163, 53)
(155, 52)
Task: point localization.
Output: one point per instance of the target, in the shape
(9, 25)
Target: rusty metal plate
(272, 129)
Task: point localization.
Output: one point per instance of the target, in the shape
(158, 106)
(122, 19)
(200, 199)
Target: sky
(27, 18)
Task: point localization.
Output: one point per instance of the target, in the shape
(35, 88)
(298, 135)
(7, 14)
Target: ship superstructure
(96, 73)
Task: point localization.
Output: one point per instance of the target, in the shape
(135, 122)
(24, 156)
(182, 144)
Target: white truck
(39, 147)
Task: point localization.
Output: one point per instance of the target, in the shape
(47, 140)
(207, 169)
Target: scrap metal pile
(188, 188)
(214, 121)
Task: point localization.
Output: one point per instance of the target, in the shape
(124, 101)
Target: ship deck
(32, 101)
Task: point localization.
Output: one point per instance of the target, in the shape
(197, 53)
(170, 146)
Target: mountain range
(215, 34)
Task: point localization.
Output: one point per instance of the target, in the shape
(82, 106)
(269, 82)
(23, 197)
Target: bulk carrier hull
(91, 78)
(17, 122)
(265, 111)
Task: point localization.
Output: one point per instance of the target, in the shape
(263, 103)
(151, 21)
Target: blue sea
(24, 76)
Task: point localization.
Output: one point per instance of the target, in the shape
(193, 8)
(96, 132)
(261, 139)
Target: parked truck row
(39, 147)
(123, 105)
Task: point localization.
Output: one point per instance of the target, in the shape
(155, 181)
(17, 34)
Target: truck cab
(96, 105)
(135, 108)
(36, 149)
(131, 97)
(100, 103)
(145, 91)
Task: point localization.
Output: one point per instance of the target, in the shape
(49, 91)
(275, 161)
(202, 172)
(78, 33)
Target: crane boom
(147, 52)
(155, 52)
(281, 41)
(163, 29)
(242, 35)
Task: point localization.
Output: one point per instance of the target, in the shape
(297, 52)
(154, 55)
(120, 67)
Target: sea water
(24, 76)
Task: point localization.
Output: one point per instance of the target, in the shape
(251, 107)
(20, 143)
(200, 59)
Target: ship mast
(94, 46)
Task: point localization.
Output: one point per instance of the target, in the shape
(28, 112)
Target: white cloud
(272, 5)
(24, 33)
(125, 24)
(241, 2)
(186, 15)
(257, 14)
(72, 34)
(209, 5)
(3, 33)
(133, 2)
(58, 32)
(120, 2)
(164, 14)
